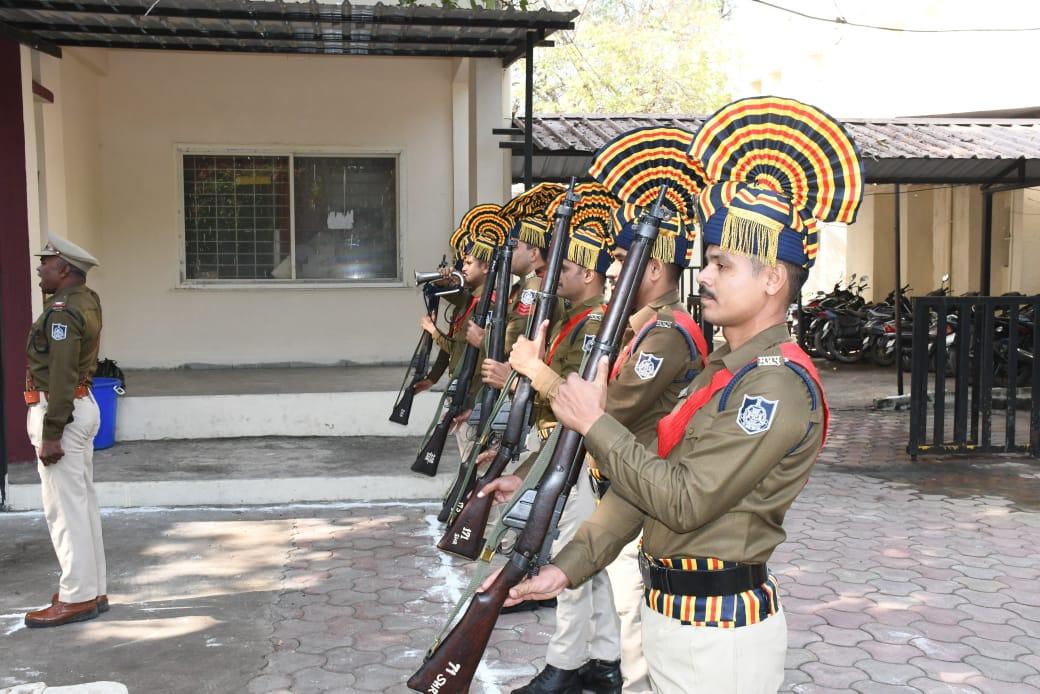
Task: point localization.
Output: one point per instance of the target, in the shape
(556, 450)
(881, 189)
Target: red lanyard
(457, 322)
(567, 328)
(672, 427)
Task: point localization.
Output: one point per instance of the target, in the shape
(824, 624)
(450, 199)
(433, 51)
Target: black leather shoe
(552, 680)
(601, 676)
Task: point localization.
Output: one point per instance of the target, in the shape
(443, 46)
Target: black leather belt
(702, 583)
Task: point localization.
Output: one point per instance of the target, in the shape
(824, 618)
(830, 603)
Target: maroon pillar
(15, 292)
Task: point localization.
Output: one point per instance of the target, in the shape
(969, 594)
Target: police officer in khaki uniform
(711, 493)
(63, 418)
(663, 351)
(586, 621)
(477, 253)
(458, 301)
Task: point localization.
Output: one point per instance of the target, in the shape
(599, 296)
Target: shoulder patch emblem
(774, 360)
(586, 346)
(756, 414)
(648, 365)
(59, 331)
(526, 301)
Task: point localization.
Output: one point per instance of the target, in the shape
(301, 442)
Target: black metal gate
(976, 344)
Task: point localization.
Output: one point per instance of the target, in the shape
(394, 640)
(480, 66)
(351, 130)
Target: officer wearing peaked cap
(728, 462)
(63, 418)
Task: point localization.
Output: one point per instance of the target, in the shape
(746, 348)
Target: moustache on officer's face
(704, 291)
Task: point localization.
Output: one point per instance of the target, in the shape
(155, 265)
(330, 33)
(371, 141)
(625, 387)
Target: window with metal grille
(333, 220)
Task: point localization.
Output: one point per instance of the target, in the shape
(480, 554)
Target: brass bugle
(422, 278)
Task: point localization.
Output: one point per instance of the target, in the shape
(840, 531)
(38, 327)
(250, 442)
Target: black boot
(552, 680)
(601, 676)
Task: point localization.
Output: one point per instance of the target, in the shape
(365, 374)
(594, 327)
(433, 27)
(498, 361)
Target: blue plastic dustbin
(106, 393)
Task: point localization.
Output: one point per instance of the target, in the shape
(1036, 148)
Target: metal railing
(977, 344)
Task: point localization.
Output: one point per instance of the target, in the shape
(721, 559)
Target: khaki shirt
(62, 352)
(522, 304)
(722, 492)
(639, 398)
(454, 343)
(566, 360)
(458, 301)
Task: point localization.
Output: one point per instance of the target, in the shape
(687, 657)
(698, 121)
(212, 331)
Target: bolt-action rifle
(469, 518)
(451, 662)
(429, 456)
(496, 341)
(419, 366)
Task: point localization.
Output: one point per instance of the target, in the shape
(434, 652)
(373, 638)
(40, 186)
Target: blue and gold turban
(589, 247)
(675, 242)
(533, 230)
(485, 231)
(532, 203)
(776, 168)
(634, 167)
(592, 226)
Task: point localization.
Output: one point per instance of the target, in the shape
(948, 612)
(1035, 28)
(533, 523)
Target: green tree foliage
(633, 56)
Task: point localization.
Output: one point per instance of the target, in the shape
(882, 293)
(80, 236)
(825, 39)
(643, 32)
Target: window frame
(290, 151)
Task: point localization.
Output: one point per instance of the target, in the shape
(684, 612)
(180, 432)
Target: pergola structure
(336, 28)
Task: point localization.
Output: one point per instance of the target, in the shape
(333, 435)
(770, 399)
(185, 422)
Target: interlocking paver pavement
(896, 577)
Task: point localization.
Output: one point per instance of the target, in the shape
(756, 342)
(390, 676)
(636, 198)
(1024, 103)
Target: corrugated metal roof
(899, 150)
(276, 26)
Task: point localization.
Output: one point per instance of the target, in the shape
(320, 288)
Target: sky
(852, 72)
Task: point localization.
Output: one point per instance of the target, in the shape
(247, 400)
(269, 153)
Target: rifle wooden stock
(461, 487)
(465, 536)
(429, 456)
(450, 667)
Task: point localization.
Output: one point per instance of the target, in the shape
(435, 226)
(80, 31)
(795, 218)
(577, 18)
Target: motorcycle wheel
(844, 351)
(820, 346)
(879, 356)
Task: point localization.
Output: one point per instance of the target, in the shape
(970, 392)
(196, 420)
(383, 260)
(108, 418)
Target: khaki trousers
(70, 503)
(627, 585)
(586, 621)
(685, 659)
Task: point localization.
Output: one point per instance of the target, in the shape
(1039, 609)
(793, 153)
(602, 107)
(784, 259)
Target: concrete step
(202, 403)
(151, 418)
(250, 471)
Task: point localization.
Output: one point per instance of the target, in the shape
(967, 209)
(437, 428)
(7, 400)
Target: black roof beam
(521, 50)
(278, 35)
(327, 48)
(309, 12)
(31, 40)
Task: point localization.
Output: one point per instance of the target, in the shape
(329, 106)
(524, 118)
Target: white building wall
(123, 115)
(1025, 242)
